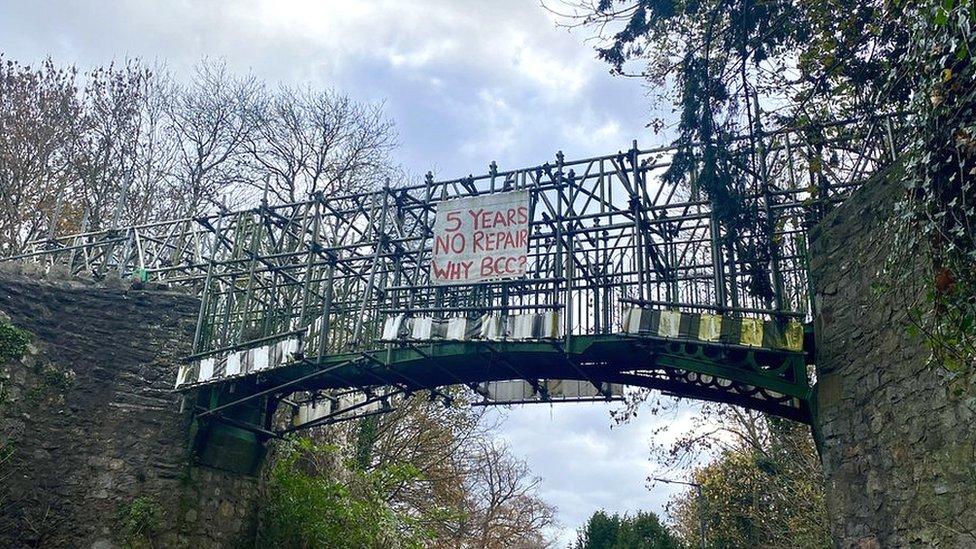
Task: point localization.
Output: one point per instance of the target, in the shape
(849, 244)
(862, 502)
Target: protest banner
(481, 238)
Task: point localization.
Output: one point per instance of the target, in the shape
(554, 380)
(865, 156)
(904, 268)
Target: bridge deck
(769, 380)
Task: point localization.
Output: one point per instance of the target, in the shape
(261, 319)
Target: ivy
(725, 63)
(13, 342)
(938, 213)
(733, 68)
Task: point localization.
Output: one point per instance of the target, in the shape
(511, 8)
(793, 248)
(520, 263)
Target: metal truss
(605, 232)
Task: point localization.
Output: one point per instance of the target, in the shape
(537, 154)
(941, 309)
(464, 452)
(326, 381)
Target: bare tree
(310, 141)
(105, 163)
(134, 145)
(211, 117)
(40, 126)
(504, 508)
(152, 194)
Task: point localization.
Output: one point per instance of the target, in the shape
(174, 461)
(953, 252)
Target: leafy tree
(764, 488)
(805, 60)
(734, 66)
(640, 531)
(469, 490)
(600, 531)
(737, 67)
(727, 65)
(314, 499)
(644, 531)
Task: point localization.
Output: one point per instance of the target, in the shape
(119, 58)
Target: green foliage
(365, 439)
(640, 531)
(726, 62)
(50, 381)
(13, 342)
(938, 214)
(139, 521)
(739, 67)
(732, 67)
(767, 494)
(815, 61)
(315, 500)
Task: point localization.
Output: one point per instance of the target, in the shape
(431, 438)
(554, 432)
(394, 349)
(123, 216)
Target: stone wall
(91, 435)
(896, 434)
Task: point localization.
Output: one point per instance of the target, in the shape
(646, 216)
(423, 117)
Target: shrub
(315, 500)
(139, 521)
(13, 341)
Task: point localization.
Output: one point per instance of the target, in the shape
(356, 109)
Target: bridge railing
(605, 232)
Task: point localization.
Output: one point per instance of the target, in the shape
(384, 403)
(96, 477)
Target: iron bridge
(323, 310)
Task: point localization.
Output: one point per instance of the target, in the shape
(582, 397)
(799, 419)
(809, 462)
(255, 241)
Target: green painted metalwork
(773, 381)
(604, 233)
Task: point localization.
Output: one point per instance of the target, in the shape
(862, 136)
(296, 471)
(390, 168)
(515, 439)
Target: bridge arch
(343, 386)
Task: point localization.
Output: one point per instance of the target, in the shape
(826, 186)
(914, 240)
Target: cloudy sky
(466, 83)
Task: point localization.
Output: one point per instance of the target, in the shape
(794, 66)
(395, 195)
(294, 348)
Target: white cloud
(504, 41)
(548, 90)
(496, 131)
(467, 82)
(586, 465)
(560, 76)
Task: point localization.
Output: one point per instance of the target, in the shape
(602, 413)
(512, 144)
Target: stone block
(114, 432)
(889, 436)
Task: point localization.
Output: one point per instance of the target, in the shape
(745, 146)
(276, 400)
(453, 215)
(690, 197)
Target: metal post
(313, 250)
(257, 235)
(643, 278)
(770, 221)
(558, 225)
(569, 263)
(718, 259)
(54, 218)
(701, 505)
(891, 140)
(205, 297)
(426, 232)
(380, 240)
(84, 254)
(326, 308)
(439, 291)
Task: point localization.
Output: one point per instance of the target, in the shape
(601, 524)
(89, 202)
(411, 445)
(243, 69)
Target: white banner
(481, 238)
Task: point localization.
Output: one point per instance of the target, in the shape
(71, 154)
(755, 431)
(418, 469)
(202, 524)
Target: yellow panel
(710, 327)
(794, 335)
(632, 321)
(752, 332)
(551, 325)
(557, 387)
